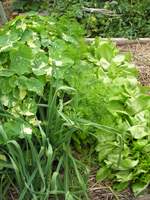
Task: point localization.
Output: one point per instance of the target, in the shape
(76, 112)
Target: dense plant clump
(57, 93)
(34, 134)
(109, 95)
(129, 19)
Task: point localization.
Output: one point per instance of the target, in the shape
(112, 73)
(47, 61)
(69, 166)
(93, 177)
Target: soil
(104, 191)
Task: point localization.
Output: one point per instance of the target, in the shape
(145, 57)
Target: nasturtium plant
(30, 47)
(92, 87)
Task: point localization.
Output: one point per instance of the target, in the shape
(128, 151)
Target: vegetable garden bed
(103, 191)
(38, 51)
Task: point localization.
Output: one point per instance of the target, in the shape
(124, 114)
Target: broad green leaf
(5, 88)
(120, 186)
(140, 144)
(68, 38)
(105, 50)
(6, 73)
(28, 107)
(138, 132)
(41, 64)
(139, 186)
(103, 136)
(146, 148)
(112, 159)
(124, 176)
(127, 164)
(104, 63)
(21, 59)
(116, 106)
(4, 100)
(16, 129)
(31, 84)
(32, 39)
(103, 152)
(138, 104)
(118, 59)
(103, 173)
(64, 62)
(7, 40)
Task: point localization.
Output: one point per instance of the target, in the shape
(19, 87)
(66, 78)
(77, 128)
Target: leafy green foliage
(131, 18)
(109, 96)
(26, 5)
(34, 136)
(57, 90)
(114, 98)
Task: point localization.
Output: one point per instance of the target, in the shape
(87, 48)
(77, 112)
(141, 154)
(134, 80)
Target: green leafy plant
(115, 99)
(26, 5)
(130, 18)
(111, 105)
(30, 111)
(131, 21)
(60, 94)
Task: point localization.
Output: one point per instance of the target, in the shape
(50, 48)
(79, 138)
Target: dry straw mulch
(141, 58)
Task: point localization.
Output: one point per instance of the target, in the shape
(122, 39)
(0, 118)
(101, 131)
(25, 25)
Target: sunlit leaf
(138, 187)
(103, 173)
(21, 59)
